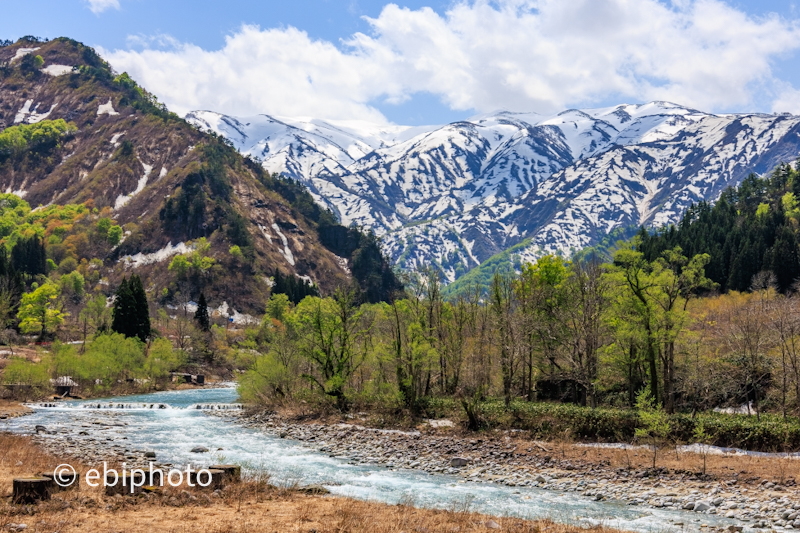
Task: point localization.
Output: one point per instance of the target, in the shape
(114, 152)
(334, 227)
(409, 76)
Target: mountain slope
(163, 180)
(456, 195)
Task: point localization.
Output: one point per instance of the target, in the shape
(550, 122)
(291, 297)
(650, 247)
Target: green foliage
(293, 287)
(38, 311)
(194, 264)
(332, 332)
(236, 252)
(20, 371)
(96, 316)
(114, 235)
(28, 257)
(138, 98)
(110, 358)
(278, 306)
(161, 360)
(38, 138)
(751, 228)
(654, 422)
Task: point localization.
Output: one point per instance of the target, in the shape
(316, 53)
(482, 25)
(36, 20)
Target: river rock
(199, 449)
(491, 524)
(458, 462)
(701, 506)
(150, 455)
(314, 489)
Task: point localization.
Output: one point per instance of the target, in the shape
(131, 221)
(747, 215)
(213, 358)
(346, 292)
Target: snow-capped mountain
(457, 194)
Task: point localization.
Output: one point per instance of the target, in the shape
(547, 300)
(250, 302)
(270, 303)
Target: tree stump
(233, 473)
(32, 490)
(218, 479)
(63, 480)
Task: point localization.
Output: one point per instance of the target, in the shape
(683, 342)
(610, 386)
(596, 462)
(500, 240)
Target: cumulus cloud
(98, 6)
(541, 55)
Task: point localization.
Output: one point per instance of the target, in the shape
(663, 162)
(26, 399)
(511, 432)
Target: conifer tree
(123, 313)
(141, 309)
(201, 315)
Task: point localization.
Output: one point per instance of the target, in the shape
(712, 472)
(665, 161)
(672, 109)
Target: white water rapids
(172, 423)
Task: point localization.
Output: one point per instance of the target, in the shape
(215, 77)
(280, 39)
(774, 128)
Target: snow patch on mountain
(456, 194)
(107, 109)
(140, 259)
(123, 199)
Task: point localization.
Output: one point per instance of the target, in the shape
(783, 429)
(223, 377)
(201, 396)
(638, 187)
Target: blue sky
(420, 95)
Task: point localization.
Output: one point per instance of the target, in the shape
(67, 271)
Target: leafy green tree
(110, 358)
(20, 371)
(412, 349)
(333, 338)
(161, 360)
(114, 235)
(95, 317)
(38, 311)
(103, 225)
(278, 306)
(653, 419)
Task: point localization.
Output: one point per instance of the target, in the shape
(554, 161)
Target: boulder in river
(199, 449)
(701, 506)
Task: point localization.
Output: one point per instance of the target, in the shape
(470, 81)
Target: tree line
(699, 315)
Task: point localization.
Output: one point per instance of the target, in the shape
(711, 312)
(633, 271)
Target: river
(171, 423)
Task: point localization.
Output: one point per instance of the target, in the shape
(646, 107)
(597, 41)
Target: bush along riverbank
(771, 433)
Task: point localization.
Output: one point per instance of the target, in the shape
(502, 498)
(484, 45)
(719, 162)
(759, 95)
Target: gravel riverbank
(503, 457)
(493, 457)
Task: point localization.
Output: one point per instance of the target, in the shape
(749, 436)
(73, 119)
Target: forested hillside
(110, 182)
(751, 229)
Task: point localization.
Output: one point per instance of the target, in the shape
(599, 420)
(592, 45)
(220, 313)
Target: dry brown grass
(749, 470)
(244, 507)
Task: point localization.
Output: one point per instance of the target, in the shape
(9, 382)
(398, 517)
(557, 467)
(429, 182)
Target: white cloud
(98, 6)
(540, 55)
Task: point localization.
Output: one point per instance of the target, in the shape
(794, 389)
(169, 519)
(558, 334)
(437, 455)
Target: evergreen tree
(141, 308)
(29, 258)
(752, 228)
(293, 287)
(201, 315)
(124, 310)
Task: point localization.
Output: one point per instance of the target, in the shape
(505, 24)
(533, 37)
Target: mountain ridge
(165, 182)
(455, 195)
